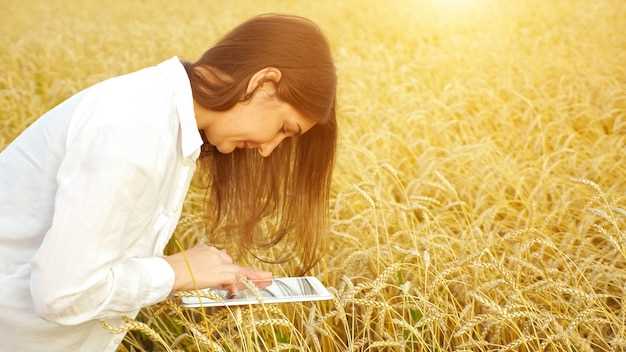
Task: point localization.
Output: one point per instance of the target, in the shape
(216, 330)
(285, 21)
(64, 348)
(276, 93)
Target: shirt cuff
(160, 279)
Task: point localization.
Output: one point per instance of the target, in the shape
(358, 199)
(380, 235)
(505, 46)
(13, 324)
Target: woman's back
(27, 183)
(27, 190)
(89, 195)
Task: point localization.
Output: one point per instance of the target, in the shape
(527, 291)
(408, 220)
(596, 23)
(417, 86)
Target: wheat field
(478, 201)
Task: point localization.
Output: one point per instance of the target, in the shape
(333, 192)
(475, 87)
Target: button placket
(179, 193)
(161, 228)
(168, 219)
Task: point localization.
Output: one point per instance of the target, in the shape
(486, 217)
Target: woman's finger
(256, 274)
(260, 279)
(231, 275)
(227, 280)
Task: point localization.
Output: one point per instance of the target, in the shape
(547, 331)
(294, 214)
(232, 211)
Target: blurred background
(479, 194)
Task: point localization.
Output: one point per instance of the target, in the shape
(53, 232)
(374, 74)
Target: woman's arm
(107, 187)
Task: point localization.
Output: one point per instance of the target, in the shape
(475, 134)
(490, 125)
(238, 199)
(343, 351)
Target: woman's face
(262, 122)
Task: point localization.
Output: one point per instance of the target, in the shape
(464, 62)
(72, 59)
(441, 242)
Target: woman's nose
(266, 149)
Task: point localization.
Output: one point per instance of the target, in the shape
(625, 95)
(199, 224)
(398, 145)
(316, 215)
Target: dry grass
(481, 152)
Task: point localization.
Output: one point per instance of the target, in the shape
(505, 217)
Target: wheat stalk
(202, 338)
(270, 322)
(207, 293)
(285, 346)
(131, 324)
(369, 302)
(355, 344)
(377, 344)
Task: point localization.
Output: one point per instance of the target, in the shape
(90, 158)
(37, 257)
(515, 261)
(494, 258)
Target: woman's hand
(212, 268)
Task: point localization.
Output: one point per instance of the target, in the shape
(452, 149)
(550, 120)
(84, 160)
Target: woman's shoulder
(136, 102)
(131, 114)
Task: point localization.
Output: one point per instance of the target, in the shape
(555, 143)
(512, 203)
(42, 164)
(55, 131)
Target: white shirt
(90, 194)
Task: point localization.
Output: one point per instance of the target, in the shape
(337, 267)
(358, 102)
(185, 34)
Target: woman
(92, 191)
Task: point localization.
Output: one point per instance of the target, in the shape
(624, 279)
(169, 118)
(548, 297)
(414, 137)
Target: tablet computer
(281, 290)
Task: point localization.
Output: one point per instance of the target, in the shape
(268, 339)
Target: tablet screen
(284, 289)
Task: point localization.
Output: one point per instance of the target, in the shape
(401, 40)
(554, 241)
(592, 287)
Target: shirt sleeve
(106, 196)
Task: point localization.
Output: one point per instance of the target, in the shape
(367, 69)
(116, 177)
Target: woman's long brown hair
(292, 184)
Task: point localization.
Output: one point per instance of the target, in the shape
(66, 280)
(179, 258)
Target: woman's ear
(271, 74)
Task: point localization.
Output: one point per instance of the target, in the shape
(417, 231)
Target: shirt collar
(177, 77)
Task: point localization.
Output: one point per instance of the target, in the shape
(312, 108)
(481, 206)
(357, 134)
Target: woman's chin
(225, 150)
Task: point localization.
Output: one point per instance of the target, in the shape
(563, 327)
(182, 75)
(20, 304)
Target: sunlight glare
(462, 10)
